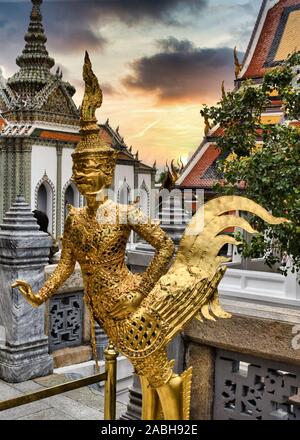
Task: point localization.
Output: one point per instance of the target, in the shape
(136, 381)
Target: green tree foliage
(263, 161)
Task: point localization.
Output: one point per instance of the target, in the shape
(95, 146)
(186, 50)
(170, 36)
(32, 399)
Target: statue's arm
(164, 246)
(64, 269)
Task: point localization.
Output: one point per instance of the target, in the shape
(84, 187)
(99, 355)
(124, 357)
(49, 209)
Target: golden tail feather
(216, 208)
(186, 392)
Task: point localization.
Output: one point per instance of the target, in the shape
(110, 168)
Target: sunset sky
(157, 61)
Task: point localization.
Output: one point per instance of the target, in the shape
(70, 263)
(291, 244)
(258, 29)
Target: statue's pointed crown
(91, 141)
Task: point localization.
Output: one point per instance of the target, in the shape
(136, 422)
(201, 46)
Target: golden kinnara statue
(140, 313)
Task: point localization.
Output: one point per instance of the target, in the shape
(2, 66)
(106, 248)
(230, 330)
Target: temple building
(39, 129)
(276, 35)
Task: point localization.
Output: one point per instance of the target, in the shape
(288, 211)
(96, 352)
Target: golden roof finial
(223, 90)
(207, 127)
(238, 65)
(92, 99)
(175, 170)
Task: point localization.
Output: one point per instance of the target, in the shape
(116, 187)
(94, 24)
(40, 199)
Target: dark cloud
(171, 45)
(76, 40)
(129, 11)
(81, 20)
(69, 25)
(180, 71)
(72, 25)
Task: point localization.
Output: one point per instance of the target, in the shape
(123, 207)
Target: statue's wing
(191, 284)
(202, 241)
(163, 315)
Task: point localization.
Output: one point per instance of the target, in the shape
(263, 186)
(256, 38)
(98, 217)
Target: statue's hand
(26, 290)
(128, 305)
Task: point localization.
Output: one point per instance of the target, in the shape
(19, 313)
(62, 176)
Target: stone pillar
(18, 165)
(24, 252)
(101, 341)
(134, 407)
(26, 178)
(202, 359)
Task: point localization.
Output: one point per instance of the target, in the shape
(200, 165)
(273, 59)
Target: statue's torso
(99, 244)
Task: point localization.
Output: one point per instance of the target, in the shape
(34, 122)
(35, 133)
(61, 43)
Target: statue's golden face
(89, 176)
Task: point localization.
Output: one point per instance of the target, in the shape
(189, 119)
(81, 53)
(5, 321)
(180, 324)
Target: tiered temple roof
(275, 36)
(36, 103)
(34, 92)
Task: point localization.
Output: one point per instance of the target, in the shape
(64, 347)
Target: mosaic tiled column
(58, 190)
(24, 252)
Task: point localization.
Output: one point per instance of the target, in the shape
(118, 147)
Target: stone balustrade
(247, 367)
(68, 323)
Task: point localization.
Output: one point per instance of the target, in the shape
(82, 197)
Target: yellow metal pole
(111, 383)
(53, 391)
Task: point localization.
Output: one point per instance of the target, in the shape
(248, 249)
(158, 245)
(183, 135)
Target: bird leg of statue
(141, 314)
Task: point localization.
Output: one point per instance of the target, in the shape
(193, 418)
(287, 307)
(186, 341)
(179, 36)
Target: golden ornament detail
(141, 314)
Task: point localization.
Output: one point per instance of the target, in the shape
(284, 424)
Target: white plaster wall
(43, 160)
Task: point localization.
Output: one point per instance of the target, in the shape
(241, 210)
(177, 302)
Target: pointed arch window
(144, 199)
(124, 194)
(70, 196)
(45, 200)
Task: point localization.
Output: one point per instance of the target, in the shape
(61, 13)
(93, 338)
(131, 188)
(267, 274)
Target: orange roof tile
(105, 136)
(195, 176)
(2, 122)
(269, 45)
(67, 137)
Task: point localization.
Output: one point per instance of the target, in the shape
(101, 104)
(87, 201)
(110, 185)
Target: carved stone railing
(249, 388)
(247, 367)
(68, 324)
(69, 333)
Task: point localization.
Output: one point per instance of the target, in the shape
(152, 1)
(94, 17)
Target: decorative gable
(58, 102)
(3, 107)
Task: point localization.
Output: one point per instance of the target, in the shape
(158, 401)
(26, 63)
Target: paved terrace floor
(82, 404)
